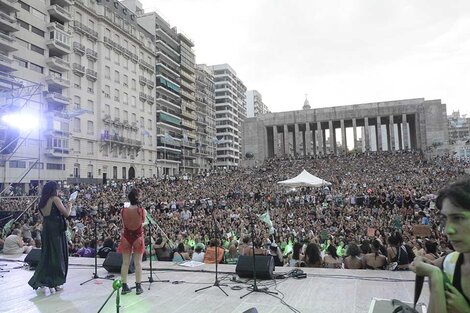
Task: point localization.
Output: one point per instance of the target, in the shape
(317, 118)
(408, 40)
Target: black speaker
(264, 266)
(252, 310)
(33, 257)
(113, 263)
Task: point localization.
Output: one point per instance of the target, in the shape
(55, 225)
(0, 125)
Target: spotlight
(21, 121)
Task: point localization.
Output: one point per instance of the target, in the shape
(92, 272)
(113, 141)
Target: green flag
(267, 219)
(7, 227)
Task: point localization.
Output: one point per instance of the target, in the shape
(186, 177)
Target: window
(77, 81)
(107, 72)
(55, 166)
(91, 106)
(23, 24)
(125, 115)
(17, 164)
(22, 43)
(24, 6)
(134, 118)
(125, 98)
(107, 109)
(107, 33)
(91, 85)
(90, 128)
(37, 49)
(105, 151)
(76, 102)
(90, 171)
(133, 100)
(116, 77)
(117, 58)
(22, 63)
(76, 124)
(116, 94)
(124, 173)
(116, 113)
(133, 84)
(78, 16)
(90, 147)
(115, 172)
(107, 53)
(37, 31)
(76, 144)
(126, 80)
(36, 68)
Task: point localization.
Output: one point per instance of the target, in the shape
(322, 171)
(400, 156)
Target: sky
(338, 52)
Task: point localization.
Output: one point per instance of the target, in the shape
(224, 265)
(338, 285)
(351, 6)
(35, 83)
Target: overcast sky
(339, 52)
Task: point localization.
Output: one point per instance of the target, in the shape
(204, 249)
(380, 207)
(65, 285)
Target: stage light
(21, 121)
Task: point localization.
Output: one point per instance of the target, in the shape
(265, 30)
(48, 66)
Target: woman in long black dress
(53, 265)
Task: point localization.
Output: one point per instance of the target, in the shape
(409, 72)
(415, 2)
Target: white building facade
(254, 104)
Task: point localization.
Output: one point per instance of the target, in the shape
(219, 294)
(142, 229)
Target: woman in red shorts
(132, 241)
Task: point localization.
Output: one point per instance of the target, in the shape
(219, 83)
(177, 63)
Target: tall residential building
(230, 112)
(254, 104)
(188, 105)
(459, 127)
(205, 102)
(94, 65)
(168, 90)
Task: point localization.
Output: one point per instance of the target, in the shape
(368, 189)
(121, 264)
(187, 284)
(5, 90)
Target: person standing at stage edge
(132, 241)
(53, 265)
(449, 276)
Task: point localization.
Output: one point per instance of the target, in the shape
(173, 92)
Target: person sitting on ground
(14, 244)
(88, 250)
(180, 254)
(162, 252)
(244, 247)
(313, 256)
(375, 260)
(198, 254)
(209, 256)
(276, 253)
(296, 257)
(331, 259)
(430, 246)
(353, 260)
(397, 252)
(108, 246)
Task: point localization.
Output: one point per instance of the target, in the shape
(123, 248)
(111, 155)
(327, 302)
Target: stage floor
(323, 291)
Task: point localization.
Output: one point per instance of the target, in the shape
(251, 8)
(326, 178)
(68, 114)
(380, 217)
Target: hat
(199, 245)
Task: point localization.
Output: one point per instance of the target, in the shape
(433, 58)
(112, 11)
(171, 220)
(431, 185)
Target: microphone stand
(95, 274)
(216, 239)
(254, 287)
(149, 238)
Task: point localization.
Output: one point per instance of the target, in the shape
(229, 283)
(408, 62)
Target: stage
(323, 291)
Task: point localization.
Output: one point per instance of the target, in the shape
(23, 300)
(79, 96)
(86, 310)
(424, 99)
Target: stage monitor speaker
(386, 306)
(113, 263)
(33, 257)
(264, 266)
(252, 310)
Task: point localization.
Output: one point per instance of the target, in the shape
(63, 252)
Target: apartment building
(94, 66)
(230, 112)
(188, 105)
(205, 123)
(254, 104)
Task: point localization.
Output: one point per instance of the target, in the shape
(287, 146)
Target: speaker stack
(264, 266)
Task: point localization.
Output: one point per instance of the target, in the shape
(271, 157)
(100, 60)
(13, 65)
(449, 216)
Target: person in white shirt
(14, 244)
(198, 254)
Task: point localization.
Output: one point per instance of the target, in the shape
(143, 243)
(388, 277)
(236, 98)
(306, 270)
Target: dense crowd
(365, 219)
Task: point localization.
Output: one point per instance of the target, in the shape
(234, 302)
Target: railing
(78, 68)
(82, 27)
(91, 54)
(5, 59)
(78, 47)
(91, 73)
(60, 62)
(146, 64)
(142, 80)
(8, 18)
(61, 11)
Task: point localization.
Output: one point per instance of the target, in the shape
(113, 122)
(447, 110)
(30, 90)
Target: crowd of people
(366, 219)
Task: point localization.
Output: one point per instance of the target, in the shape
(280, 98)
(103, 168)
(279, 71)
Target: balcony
(6, 64)
(78, 69)
(189, 115)
(55, 97)
(59, 13)
(142, 96)
(91, 54)
(150, 83)
(57, 64)
(91, 75)
(120, 140)
(189, 125)
(150, 99)
(82, 28)
(9, 6)
(190, 105)
(8, 23)
(59, 42)
(7, 43)
(146, 65)
(57, 152)
(142, 80)
(57, 81)
(64, 3)
(78, 48)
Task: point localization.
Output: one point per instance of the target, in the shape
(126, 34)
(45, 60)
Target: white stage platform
(323, 291)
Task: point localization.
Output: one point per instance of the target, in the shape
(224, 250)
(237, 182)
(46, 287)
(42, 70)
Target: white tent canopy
(305, 179)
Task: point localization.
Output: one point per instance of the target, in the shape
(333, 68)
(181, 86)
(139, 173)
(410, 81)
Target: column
(308, 139)
(332, 138)
(366, 134)
(320, 139)
(323, 137)
(406, 145)
(400, 140)
(392, 134)
(387, 126)
(343, 137)
(298, 139)
(286, 140)
(379, 133)
(413, 132)
(276, 141)
(354, 133)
